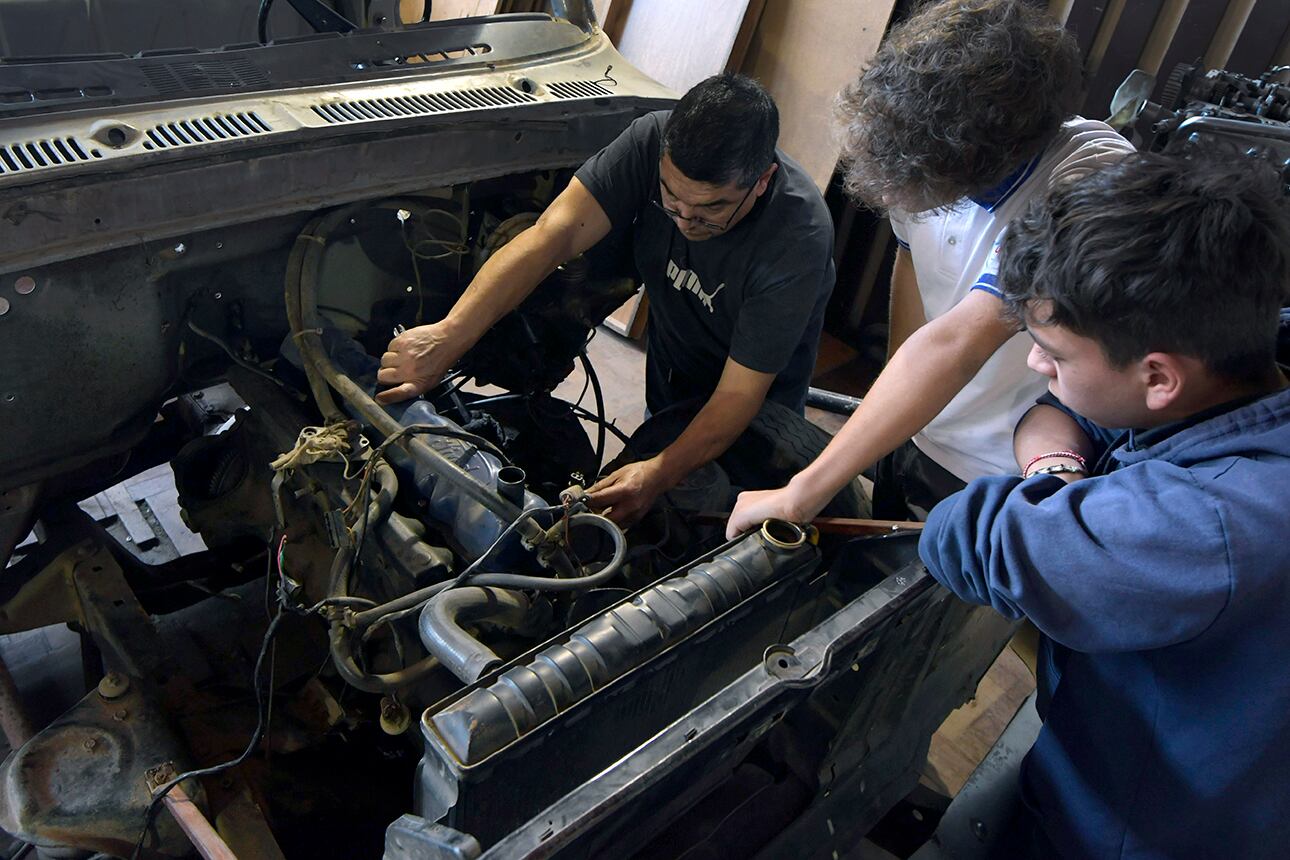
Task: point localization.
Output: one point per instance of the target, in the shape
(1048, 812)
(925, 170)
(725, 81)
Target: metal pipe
(368, 617)
(510, 483)
(831, 401)
(306, 327)
(458, 651)
(199, 831)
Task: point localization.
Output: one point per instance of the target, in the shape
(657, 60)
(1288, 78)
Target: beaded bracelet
(1069, 455)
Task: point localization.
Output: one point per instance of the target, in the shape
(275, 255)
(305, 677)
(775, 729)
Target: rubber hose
(369, 617)
(302, 312)
(458, 651)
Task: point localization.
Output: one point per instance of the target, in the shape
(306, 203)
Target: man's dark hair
(1159, 253)
(725, 128)
(957, 97)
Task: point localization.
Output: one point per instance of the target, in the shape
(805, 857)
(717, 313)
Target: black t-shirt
(755, 293)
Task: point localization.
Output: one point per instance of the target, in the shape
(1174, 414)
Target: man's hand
(415, 361)
(626, 495)
(754, 507)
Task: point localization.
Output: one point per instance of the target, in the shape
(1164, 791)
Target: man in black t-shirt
(734, 245)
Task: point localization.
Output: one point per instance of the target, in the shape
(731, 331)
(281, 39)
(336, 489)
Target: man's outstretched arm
(923, 376)
(629, 492)
(416, 360)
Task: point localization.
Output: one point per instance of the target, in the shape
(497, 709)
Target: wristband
(1058, 469)
(1069, 455)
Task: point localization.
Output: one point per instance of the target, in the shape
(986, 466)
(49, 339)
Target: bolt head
(113, 685)
(181, 248)
(395, 717)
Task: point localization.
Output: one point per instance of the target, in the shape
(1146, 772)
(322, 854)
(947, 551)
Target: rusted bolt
(91, 743)
(113, 685)
(120, 715)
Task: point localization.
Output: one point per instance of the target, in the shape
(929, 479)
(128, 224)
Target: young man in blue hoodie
(1161, 581)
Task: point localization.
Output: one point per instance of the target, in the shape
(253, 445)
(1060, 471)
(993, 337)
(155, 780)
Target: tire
(777, 444)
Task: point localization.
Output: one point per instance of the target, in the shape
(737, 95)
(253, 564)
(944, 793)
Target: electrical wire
(262, 21)
(237, 359)
(159, 796)
(412, 601)
(453, 248)
(608, 425)
(600, 407)
(378, 456)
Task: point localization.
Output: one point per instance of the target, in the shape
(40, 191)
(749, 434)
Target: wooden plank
(805, 52)
(604, 9)
(681, 42)
(1265, 30)
(1121, 56)
(966, 736)
(1084, 21)
(443, 10)
(1191, 39)
(630, 318)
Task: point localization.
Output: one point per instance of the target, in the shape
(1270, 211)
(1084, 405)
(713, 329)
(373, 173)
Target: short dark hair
(725, 128)
(957, 97)
(1159, 253)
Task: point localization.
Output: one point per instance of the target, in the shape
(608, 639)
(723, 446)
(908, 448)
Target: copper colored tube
(209, 844)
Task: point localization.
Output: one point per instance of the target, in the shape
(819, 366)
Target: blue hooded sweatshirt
(1162, 588)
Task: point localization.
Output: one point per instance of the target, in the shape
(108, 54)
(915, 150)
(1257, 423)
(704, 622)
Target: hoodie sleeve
(1132, 561)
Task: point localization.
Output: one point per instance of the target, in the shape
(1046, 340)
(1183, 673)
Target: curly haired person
(965, 115)
(1161, 582)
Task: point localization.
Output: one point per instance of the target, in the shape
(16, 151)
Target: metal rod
(302, 311)
(199, 831)
(830, 525)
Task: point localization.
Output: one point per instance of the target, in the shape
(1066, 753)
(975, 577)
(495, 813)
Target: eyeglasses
(720, 228)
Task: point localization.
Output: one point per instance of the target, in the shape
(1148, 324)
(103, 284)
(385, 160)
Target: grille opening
(577, 89)
(393, 107)
(204, 129)
(27, 155)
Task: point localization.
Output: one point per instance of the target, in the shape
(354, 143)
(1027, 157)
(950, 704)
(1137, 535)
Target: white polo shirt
(955, 251)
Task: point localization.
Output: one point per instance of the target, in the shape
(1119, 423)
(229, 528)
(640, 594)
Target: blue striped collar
(998, 195)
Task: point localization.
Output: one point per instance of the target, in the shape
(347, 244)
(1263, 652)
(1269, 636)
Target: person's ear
(1164, 377)
(763, 181)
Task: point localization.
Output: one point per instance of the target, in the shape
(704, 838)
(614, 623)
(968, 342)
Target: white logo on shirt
(684, 279)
